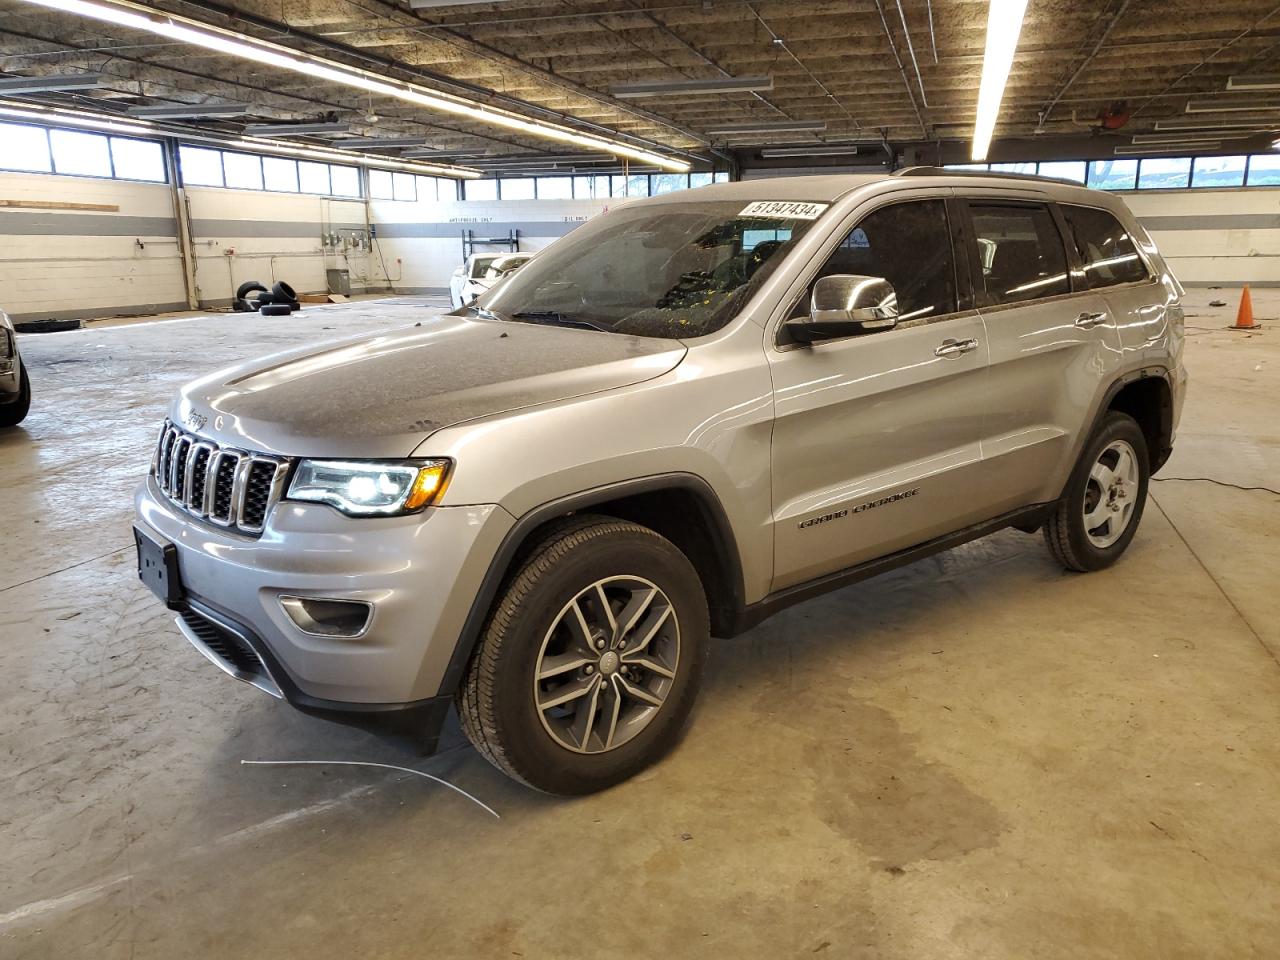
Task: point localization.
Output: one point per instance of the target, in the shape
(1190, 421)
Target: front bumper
(419, 573)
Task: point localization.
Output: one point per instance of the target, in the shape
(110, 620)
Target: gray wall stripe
(47, 223)
(231, 229)
(454, 231)
(1223, 221)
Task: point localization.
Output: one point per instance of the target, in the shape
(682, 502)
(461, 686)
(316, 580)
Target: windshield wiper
(555, 318)
(486, 314)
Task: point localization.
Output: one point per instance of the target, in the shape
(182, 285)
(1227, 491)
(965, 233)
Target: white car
(480, 272)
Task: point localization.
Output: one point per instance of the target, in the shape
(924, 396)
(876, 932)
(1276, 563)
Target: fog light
(328, 618)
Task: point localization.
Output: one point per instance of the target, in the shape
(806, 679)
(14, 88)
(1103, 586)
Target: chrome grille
(231, 488)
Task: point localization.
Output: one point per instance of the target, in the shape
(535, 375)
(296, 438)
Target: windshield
(480, 265)
(654, 270)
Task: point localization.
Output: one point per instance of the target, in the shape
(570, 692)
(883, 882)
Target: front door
(875, 443)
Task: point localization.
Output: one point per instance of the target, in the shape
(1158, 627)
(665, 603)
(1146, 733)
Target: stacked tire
(252, 297)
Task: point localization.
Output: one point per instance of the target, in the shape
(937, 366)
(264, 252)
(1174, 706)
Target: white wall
(241, 235)
(422, 242)
(54, 260)
(1214, 237)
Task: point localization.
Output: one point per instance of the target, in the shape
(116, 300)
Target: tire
(532, 625)
(281, 292)
(275, 310)
(1117, 507)
(14, 412)
(252, 286)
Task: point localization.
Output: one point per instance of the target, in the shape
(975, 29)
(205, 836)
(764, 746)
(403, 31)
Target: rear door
(1052, 342)
(1111, 264)
(875, 442)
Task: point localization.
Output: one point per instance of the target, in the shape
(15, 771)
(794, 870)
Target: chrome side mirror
(845, 305)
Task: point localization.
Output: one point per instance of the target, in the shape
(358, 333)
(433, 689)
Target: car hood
(382, 395)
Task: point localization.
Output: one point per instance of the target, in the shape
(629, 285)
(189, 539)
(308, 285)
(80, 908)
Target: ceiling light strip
(143, 128)
(265, 53)
(1004, 24)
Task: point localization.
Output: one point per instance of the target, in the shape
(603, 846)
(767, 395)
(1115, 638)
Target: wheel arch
(1147, 397)
(682, 507)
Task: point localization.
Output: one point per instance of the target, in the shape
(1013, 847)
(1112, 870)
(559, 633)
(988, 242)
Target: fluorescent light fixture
(80, 119)
(74, 81)
(1260, 82)
(92, 123)
(1004, 24)
(265, 53)
(265, 145)
(1255, 126)
(1230, 106)
(176, 111)
(672, 88)
(1167, 148)
(297, 129)
(769, 126)
(381, 142)
(518, 160)
(809, 151)
(1187, 137)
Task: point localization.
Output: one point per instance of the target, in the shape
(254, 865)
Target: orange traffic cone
(1244, 316)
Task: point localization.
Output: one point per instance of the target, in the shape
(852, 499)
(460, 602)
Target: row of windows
(31, 149)
(595, 187)
(384, 185)
(1151, 173)
(204, 167)
(1019, 254)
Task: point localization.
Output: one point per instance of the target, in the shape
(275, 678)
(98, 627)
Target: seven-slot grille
(231, 488)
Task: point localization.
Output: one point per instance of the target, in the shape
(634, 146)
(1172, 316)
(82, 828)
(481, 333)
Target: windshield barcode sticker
(784, 209)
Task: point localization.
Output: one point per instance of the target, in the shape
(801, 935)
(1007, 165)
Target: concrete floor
(977, 756)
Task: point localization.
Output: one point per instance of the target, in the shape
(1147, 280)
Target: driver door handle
(951, 348)
(1087, 321)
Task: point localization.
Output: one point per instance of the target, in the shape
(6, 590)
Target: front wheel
(1099, 512)
(591, 659)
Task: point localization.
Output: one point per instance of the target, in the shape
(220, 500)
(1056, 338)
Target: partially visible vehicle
(15, 387)
(480, 273)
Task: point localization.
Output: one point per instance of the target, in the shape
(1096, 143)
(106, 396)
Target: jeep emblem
(195, 420)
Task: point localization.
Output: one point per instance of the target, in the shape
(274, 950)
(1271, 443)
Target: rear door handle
(1087, 321)
(951, 348)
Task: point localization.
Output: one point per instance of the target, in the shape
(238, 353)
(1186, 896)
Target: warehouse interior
(975, 754)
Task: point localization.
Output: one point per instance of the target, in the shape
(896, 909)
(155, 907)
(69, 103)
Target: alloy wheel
(607, 664)
(1111, 494)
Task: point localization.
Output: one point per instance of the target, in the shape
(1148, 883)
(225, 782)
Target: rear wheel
(14, 412)
(1099, 512)
(591, 659)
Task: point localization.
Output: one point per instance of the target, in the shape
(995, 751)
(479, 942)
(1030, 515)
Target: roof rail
(944, 172)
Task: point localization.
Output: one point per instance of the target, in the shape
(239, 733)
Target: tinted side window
(1105, 247)
(1020, 252)
(908, 244)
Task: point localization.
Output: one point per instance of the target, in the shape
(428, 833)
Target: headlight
(370, 488)
(6, 344)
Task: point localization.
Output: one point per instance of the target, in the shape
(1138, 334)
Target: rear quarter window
(1106, 250)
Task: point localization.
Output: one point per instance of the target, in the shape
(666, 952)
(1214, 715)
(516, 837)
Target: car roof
(830, 187)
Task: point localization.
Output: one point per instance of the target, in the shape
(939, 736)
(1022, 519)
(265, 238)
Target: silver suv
(684, 416)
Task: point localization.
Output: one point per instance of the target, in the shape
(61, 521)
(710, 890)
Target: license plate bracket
(158, 568)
